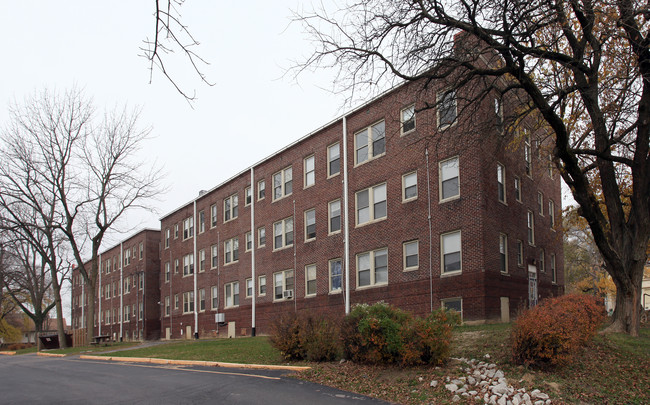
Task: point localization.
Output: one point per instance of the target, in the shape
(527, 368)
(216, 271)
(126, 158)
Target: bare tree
(581, 67)
(172, 35)
(90, 170)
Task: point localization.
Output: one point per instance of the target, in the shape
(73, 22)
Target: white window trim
(504, 237)
(329, 217)
(553, 266)
(213, 216)
(517, 182)
(202, 259)
(259, 237)
(307, 267)
(232, 251)
(305, 172)
(530, 224)
(442, 255)
(306, 238)
(445, 300)
(214, 263)
(232, 199)
(201, 298)
(201, 221)
(404, 199)
(248, 236)
(454, 197)
(371, 205)
(284, 285)
(329, 276)
(212, 297)
(540, 203)
(232, 285)
(503, 183)
(371, 156)
(520, 253)
(402, 121)
(258, 189)
(439, 95)
(284, 234)
(259, 285)
(246, 191)
(246, 281)
(405, 267)
(329, 159)
(373, 270)
(188, 226)
(283, 181)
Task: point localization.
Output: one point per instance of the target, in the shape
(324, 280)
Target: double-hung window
(371, 204)
(530, 220)
(335, 275)
(213, 215)
(310, 280)
(214, 253)
(167, 306)
(261, 285)
(310, 224)
(520, 253)
(261, 237)
(202, 299)
(410, 186)
(201, 222)
(333, 160)
(372, 268)
(449, 179)
(188, 264)
(188, 302)
(232, 294)
(501, 182)
(503, 252)
(553, 269)
(528, 154)
(540, 203)
(248, 195)
(283, 233)
(447, 111)
(167, 272)
(282, 183)
(309, 165)
(261, 189)
(408, 119)
(249, 287)
(451, 252)
(231, 250)
(283, 285)
(334, 214)
(188, 227)
(411, 255)
(230, 208)
(370, 142)
(215, 297)
(249, 241)
(201, 260)
(542, 262)
(551, 212)
(517, 189)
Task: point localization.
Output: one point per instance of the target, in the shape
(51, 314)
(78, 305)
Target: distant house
(49, 328)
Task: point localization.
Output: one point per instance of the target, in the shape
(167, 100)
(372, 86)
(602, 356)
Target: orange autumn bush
(549, 334)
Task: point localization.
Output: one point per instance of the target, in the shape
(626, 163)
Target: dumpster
(52, 341)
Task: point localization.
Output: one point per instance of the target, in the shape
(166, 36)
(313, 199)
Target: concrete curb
(50, 354)
(8, 353)
(194, 363)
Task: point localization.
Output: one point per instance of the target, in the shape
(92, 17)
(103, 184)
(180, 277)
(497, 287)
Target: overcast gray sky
(250, 112)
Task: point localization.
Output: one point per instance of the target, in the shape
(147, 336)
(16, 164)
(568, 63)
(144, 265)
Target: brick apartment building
(418, 207)
(128, 298)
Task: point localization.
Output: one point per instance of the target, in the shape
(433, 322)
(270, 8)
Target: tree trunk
(627, 314)
(56, 289)
(90, 310)
(38, 329)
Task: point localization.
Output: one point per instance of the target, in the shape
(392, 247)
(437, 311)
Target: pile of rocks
(486, 381)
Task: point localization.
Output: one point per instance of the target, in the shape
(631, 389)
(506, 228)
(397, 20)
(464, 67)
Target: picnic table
(100, 339)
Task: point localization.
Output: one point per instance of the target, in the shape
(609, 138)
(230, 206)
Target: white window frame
(230, 251)
(551, 212)
(231, 300)
(331, 159)
(249, 287)
(542, 261)
(371, 204)
(370, 143)
(441, 180)
(407, 114)
(201, 221)
(406, 184)
(168, 308)
(249, 242)
(167, 272)
(498, 114)
(530, 225)
(261, 243)
(308, 223)
(284, 277)
(553, 265)
(445, 301)
(339, 275)
(284, 233)
(517, 182)
(443, 252)
(372, 268)
(311, 277)
(214, 297)
(188, 265)
(528, 155)
(442, 98)
(176, 231)
(202, 300)
(188, 302)
(248, 196)
(177, 266)
(501, 183)
(309, 171)
(213, 215)
(405, 255)
(230, 208)
(520, 253)
(188, 228)
(330, 217)
(141, 251)
(284, 185)
(540, 203)
(261, 284)
(214, 256)
(503, 253)
(201, 260)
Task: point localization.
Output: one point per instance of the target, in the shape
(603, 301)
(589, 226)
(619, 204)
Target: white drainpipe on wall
(99, 298)
(253, 235)
(346, 225)
(121, 291)
(196, 261)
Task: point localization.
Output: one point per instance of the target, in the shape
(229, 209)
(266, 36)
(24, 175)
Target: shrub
(306, 337)
(551, 333)
(383, 334)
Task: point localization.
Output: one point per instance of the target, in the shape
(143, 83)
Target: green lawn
(252, 350)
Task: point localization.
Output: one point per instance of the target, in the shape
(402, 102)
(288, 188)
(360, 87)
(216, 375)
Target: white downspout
(346, 225)
(120, 290)
(426, 152)
(253, 235)
(100, 295)
(195, 261)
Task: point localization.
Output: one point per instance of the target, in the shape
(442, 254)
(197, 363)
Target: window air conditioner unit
(220, 317)
(287, 294)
